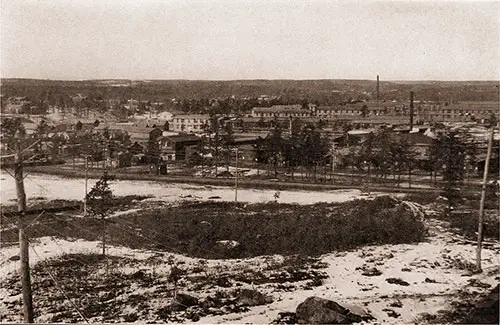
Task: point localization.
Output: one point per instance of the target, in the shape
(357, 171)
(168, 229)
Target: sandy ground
(440, 259)
(434, 270)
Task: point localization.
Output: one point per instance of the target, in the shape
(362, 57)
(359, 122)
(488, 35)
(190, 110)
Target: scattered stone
(139, 275)
(478, 284)
(205, 223)
(427, 280)
(223, 282)
(227, 244)
(316, 310)
(371, 272)
(405, 269)
(397, 281)
(285, 318)
(396, 304)
(182, 301)
(391, 313)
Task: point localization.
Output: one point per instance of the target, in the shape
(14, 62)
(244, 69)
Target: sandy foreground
(435, 270)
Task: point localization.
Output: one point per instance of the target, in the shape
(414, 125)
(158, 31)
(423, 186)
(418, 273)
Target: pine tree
(100, 203)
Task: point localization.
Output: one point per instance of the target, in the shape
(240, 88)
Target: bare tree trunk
(103, 237)
(481, 204)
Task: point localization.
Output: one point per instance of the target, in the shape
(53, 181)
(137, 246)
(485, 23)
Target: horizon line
(256, 79)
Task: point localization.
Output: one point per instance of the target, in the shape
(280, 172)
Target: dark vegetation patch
(201, 229)
(464, 217)
(466, 223)
(53, 222)
(469, 309)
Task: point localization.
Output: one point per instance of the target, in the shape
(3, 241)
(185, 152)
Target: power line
(61, 289)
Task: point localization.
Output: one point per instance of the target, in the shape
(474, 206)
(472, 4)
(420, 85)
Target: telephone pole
(481, 204)
(23, 239)
(236, 179)
(86, 183)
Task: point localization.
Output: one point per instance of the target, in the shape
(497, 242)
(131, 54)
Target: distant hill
(322, 91)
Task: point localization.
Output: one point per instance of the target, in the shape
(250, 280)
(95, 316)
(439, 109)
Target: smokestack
(378, 90)
(411, 110)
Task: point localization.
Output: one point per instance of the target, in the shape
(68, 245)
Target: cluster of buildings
(424, 112)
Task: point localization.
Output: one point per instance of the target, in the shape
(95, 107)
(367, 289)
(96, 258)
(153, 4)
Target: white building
(189, 123)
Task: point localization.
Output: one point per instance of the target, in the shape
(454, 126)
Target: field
(218, 262)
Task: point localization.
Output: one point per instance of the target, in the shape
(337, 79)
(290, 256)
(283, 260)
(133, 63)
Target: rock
(478, 284)
(427, 280)
(249, 297)
(182, 301)
(285, 318)
(14, 258)
(316, 310)
(396, 304)
(223, 282)
(139, 275)
(371, 272)
(194, 317)
(397, 281)
(227, 244)
(391, 313)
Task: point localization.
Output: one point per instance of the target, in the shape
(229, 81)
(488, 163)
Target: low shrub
(272, 228)
(467, 224)
(235, 230)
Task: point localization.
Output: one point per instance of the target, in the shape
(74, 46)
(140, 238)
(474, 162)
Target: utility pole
(23, 240)
(411, 110)
(481, 204)
(333, 161)
(236, 179)
(86, 185)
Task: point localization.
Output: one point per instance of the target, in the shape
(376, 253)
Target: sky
(243, 39)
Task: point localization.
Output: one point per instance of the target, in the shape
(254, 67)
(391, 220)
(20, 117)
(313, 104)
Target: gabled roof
(180, 138)
(414, 138)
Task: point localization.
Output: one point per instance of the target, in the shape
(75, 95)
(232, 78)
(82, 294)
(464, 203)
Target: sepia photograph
(250, 161)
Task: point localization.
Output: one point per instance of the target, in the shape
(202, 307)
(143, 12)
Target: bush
(467, 224)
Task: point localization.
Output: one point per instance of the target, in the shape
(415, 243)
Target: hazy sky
(224, 39)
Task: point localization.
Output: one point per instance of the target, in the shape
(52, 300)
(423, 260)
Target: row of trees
(50, 143)
(305, 147)
(451, 154)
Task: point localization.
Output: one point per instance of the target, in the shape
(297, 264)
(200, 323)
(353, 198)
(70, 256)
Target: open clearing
(54, 187)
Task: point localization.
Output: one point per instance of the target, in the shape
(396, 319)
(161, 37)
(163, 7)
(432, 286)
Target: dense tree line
(195, 95)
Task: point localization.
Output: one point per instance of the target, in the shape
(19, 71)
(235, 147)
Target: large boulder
(316, 310)
(182, 301)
